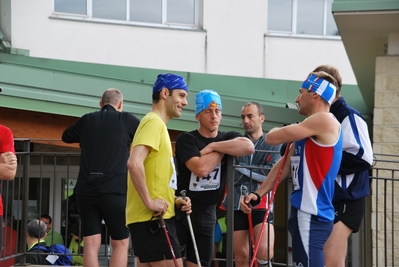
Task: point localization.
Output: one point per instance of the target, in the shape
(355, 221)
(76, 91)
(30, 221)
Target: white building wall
(232, 42)
(235, 36)
(294, 58)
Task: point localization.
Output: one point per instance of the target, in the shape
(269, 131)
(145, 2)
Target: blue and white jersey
(314, 168)
(352, 181)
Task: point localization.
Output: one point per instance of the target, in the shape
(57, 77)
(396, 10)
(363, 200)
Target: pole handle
(161, 221)
(245, 191)
(183, 194)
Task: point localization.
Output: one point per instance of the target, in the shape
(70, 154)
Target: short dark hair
(258, 106)
(156, 95)
(36, 229)
(48, 217)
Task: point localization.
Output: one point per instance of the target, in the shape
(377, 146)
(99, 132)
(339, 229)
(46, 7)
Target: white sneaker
(269, 264)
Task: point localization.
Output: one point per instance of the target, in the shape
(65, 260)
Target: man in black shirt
(104, 137)
(202, 173)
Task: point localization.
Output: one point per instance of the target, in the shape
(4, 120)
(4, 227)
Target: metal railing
(376, 242)
(45, 179)
(380, 229)
(41, 186)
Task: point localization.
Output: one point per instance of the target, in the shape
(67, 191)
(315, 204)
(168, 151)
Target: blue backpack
(63, 253)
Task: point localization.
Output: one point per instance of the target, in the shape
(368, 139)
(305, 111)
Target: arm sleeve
(352, 164)
(6, 140)
(357, 152)
(186, 147)
(132, 124)
(73, 132)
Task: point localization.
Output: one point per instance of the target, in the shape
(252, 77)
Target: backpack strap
(42, 248)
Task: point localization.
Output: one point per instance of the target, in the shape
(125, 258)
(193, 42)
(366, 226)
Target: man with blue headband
(202, 173)
(313, 161)
(152, 178)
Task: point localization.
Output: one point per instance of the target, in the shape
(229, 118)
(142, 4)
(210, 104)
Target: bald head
(113, 97)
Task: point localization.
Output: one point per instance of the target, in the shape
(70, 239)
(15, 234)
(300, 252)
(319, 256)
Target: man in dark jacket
(104, 137)
(250, 179)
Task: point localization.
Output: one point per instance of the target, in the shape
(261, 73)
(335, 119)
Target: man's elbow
(8, 175)
(201, 172)
(65, 138)
(251, 149)
(247, 149)
(130, 165)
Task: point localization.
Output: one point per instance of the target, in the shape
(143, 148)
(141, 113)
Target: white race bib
(294, 171)
(210, 182)
(52, 258)
(173, 178)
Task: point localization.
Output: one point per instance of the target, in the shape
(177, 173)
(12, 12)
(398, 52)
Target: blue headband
(321, 87)
(206, 99)
(169, 81)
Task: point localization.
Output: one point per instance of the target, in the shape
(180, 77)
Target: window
(164, 13)
(302, 17)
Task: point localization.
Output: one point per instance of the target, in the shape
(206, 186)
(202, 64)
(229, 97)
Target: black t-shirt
(104, 137)
(37, 256)
(201, 190)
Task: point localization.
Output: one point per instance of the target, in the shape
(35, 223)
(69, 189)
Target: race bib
(173, 178)
(52, 258)
(210, 182)
(294, 172)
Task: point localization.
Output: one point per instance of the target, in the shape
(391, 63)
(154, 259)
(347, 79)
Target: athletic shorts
(108, 207)
(203, 220)
(150, 243)
(308, 236)
(350, 213)
(241, 219)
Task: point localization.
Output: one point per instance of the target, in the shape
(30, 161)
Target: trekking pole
(163, 225)
(190, 226)
(270, 201)
(250, 226)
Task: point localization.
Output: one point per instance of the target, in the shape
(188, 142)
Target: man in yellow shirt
(152, 177)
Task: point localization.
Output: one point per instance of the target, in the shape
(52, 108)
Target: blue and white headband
(321, 87)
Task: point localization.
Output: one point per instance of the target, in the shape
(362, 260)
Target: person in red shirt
(8, 165)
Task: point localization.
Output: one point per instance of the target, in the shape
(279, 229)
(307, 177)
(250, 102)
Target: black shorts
(150, 243)
(110, 207)
(350, 213)
(241, 219)
(203, 220)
